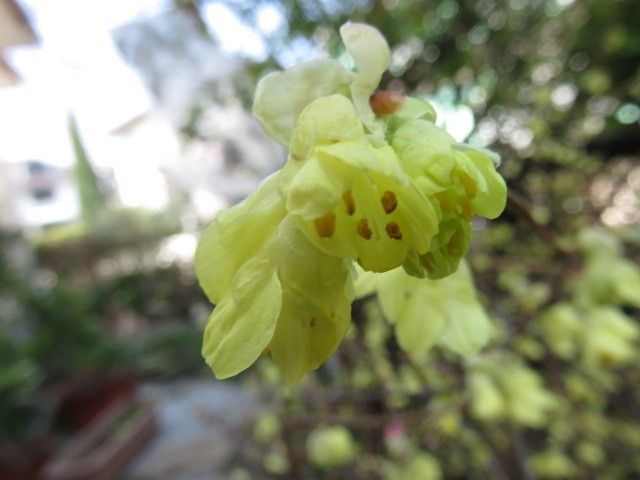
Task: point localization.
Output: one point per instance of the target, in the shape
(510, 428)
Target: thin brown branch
(363, 421)
(520, 206)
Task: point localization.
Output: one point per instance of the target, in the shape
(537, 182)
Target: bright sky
(76, 68)
(232, 33)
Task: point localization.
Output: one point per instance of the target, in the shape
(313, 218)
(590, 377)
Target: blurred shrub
(171, 352)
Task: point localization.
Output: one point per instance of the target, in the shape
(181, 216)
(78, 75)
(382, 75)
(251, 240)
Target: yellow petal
(427, 312)
(236, 235)
(371, 54)
(424, 151)
(281, 96)
(375, 212)
(408, 303)
(318, 186)
(243, 323)
(324, 121)
(468, 328)
(491, 200)
(316, 305)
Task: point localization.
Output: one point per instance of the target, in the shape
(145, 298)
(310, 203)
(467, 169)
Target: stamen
(326, 225)
(393, 230)
(607, 360)
(363, 229)
(467, 209)
(444, 202)
(389, 201)
(467, 182)
(386, 102)
(347, 198)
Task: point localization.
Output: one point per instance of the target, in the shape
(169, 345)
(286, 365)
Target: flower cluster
(593, 326)
(501, 386)
(370, 180)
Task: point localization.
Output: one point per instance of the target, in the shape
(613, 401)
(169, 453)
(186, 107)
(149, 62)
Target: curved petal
(447, 248)
(353, 200)
(468, 328)
(281, 96)
(371, 55)
(413, 266)
(369, 50)
(463, 147)
(242, 325)
(316, 305)
(236, 235)
(324, 121)
(412, 108)
(427, 312)
(366, 283)
(490, 200)
(425, 151)
(318, 186)
(418, 315)
(367, 158)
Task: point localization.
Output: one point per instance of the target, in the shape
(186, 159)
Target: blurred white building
(133, 89)
(36, 194)
(226, 154)
(14, 30)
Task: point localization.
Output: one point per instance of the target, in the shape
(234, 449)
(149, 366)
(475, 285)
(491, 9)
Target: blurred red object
(25, 460)
(82, 399)
(104, 449)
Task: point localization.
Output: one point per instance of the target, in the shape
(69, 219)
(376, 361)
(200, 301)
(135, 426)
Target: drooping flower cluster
(369, 180)
(500, 386)
(593, 326)
(455, 318)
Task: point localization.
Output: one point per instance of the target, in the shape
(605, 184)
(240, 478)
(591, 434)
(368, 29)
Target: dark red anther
(386, 102)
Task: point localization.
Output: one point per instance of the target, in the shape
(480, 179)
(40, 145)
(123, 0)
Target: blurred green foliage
(53, 329)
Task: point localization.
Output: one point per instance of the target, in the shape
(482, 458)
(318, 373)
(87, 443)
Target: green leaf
(422, 466)
(561, 325)
(486, 400)
(528, 401)
(610, 337)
